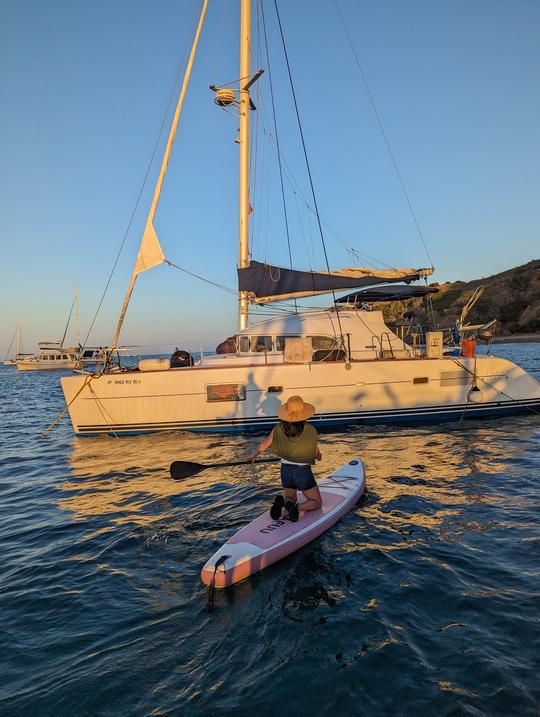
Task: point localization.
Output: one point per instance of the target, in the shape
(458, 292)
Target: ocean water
(424, 600)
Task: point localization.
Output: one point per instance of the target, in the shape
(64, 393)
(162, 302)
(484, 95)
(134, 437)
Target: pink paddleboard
(265, 541)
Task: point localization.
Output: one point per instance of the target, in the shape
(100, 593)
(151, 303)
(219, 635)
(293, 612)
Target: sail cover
(396, 292)
(266, 283)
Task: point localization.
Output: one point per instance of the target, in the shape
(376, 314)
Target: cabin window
(326, 348)
(280, 341)
(321, 355)
(323, 342)
(317, 342)
(421, 379)
(255, 344)
(261, 343)
(226, 392)
(64, 356)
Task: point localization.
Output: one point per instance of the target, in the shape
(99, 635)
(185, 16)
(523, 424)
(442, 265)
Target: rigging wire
(385, 137)
(139, 195)
(271, 143)
(267, 220)
(11, 344)
(254, 149)
(218, 143)
(202, 278)
(431, 309)
(67, 325)
(254, 59)
(307, 161)
(302, 230)
(297, 191)
(277, 138)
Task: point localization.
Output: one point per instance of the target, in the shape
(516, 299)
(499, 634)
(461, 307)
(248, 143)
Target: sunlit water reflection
(423, 600)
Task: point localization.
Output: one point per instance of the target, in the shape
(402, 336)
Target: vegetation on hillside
(512, 297)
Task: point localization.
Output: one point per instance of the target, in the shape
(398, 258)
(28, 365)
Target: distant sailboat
(345, 360)
(17, 338)
(53, 355)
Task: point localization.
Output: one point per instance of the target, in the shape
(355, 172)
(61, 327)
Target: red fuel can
(468, 348)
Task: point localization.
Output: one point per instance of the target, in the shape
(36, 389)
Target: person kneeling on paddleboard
(295, 442)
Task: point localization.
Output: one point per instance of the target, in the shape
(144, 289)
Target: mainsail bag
(266, 283)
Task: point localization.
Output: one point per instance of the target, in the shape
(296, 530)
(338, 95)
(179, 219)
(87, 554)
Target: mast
(77, 322)
(243, 192)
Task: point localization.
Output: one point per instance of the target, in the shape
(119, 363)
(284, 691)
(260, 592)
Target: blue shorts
(298, 477)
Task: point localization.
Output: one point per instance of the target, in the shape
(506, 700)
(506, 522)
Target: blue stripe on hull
(434, 414)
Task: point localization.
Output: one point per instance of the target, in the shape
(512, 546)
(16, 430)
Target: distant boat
(17, 338)
(51, 356)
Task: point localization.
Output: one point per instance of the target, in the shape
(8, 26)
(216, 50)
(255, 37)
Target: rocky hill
(512, 297)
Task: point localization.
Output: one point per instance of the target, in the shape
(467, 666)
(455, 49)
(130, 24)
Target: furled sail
(267, 283)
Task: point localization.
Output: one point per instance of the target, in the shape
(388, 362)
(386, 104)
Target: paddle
(186, 469)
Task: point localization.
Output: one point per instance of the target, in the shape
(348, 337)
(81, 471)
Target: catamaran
(344, 359)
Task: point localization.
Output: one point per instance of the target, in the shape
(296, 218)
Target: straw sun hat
(296, 410)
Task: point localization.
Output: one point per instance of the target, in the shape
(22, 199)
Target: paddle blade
(185, 469)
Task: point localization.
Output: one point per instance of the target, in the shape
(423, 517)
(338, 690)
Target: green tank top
(300, 449)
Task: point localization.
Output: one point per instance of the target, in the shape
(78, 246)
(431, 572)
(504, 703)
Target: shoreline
(517, 339)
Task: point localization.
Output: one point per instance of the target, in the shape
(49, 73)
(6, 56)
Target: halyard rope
(62, 413)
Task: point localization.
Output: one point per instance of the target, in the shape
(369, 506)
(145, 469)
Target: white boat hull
(34, 365)
(362, 391)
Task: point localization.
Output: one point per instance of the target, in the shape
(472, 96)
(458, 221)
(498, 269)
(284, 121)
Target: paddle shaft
(186, 469)
(241, 463)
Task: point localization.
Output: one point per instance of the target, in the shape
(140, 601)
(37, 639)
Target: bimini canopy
(266, 283)
(397, 292)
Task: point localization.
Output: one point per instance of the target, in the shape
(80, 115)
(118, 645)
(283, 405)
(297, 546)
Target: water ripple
(422, 600)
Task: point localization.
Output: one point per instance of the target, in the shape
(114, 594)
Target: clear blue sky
(83, 90)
